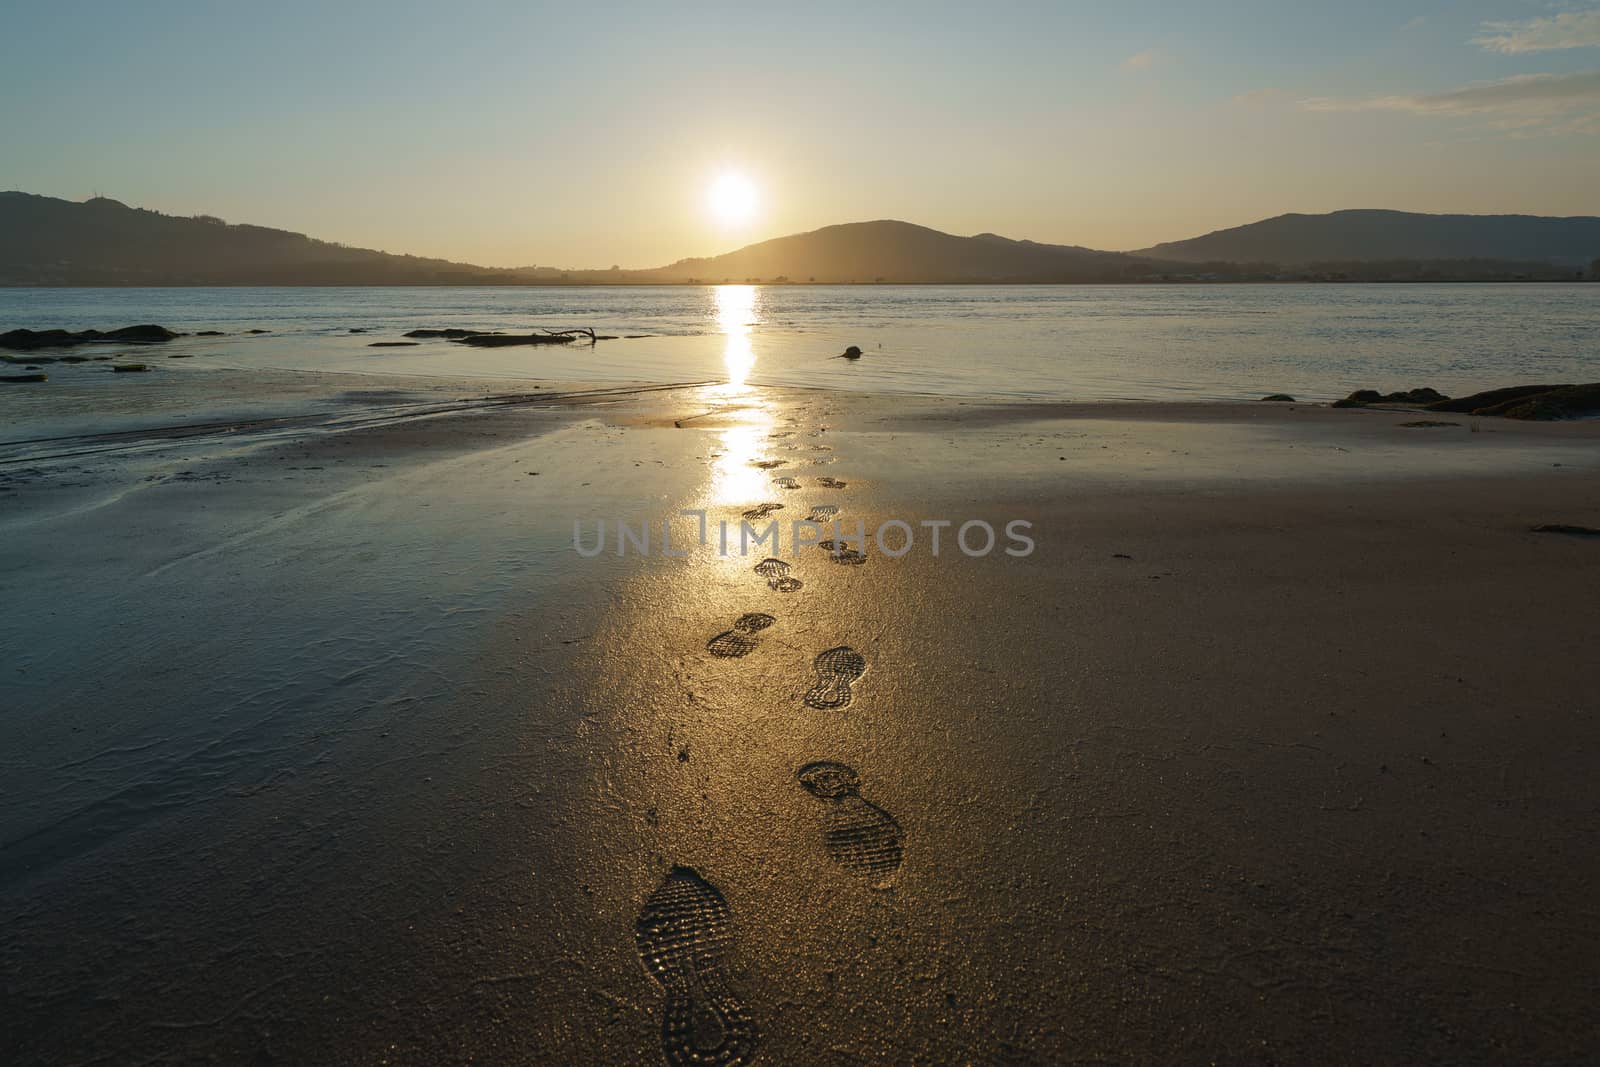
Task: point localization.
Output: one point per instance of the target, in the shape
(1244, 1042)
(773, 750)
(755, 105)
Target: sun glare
(733, 199)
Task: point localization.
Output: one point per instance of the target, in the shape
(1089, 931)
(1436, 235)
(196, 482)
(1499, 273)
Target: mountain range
(48, 241)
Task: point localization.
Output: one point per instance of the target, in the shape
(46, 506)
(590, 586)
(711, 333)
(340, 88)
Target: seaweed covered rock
(1278, 398)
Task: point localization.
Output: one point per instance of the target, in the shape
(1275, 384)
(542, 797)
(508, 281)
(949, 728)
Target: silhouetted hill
(1371, 236)
(45, 241)
(892, 251)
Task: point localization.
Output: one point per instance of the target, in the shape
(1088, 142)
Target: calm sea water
(1077, 342)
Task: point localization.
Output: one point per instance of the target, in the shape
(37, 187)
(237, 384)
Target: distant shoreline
(808, 285)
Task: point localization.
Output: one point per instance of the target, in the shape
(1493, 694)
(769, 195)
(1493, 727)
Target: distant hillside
(45, 241)
(1372, 236)
(890, 251)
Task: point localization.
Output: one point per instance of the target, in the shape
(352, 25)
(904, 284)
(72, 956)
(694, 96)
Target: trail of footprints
(684, 932)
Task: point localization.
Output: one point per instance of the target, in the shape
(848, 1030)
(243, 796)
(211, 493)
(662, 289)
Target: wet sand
(323, 745)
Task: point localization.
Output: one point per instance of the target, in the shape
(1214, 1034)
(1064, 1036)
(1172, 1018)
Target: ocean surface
(1191, 342)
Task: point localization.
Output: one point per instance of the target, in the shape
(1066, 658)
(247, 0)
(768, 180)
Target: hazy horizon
(509, 136)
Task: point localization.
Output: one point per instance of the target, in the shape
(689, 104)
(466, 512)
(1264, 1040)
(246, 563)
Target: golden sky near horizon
(639, 136)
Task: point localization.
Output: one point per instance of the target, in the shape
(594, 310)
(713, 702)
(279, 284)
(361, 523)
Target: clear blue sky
(585, 135)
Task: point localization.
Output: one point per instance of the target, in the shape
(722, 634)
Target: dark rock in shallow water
(393, 344)
(357, 329)
(211, 333)
(129, 368)
(24, 378)
(258, 331)
(452, 333)
(28, 339)
(1278, 398)
(501, 340)
(147, 334)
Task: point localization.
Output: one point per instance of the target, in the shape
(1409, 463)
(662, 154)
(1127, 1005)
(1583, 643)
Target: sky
(586, 135)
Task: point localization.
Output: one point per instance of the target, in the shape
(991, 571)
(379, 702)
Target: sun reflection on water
(737, 309)
(742, 441)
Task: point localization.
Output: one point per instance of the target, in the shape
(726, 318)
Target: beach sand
(323, 745)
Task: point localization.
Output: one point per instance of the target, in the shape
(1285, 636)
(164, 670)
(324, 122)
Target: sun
(733, 199)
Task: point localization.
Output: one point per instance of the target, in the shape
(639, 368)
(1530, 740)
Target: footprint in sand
(684, 937)
(837, 669)
(839, 552)
(823, 513)
(786, 482)
(776, 572)
(741, 640)
(861, 837)
(766, 464)
(761, 511)
(831, 483)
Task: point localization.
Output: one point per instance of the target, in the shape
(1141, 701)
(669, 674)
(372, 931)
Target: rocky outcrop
(1540, 402)
(1363, 397)
(1537, 402)
(23, 340)
(1571, 402)
(1488, 403)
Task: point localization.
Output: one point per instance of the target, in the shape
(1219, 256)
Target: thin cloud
(1142, 60)
(1529, 95)
(1570, 29)
(1415, 24)
(1260, 96)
